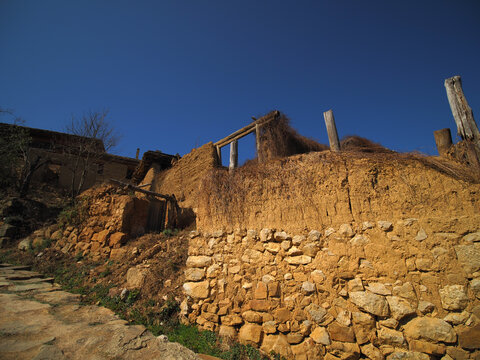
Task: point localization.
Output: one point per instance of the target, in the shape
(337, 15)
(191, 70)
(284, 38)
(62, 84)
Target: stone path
(40, 321)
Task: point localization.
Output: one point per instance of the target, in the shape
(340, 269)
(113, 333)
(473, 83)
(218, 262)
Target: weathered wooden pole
(443, 140)
(219, 155)
(331, 130)
(462, 113)
(233, 155)
(257, 142)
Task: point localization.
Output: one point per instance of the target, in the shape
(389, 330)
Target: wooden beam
(331, 130)
(443, 140)
(247, 129)
(462, 113)
(233, 155)
(219, 155)
(257, 142)
(137, 189)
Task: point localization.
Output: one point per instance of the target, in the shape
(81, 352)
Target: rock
(197, 290)
(391, 337)
(281, 236)
(359, 240)
(363, 326)
(194, 274)
(430, 329)
(367, 225)
(250, 334)
(320, 336)
(8, 230)
(57, 235)
(346, 230)
(25, 244)
(308, 287)
(344, 318)
(343, 350)
(315, 235)
(260, 305)
(385, 225)
(266, 235)
(453, 297)
(269, 327)
(267, 278)
(277, 344)
(252, 234)
(341, 333)
(261, 291)
(135, 277)
(457, 318)
(294, 338)
(389, 323)
(227, 331)
(469, 257)
(117, 254)
(282, 315)
(231, 320)
(372, 352)
(298, 240)
(317, 313)
(271, 247)
(317, 276)
(285, 245)
(329, 231)
(252, 316)
(199, 261)
(378, 288)
(294, 251)
(355, 285)
(426, 347)
(369, 302)
(310, 249)
(421, 235)
(399, 307)
(472, 237)
(117, 239)
(425, 307)
(407, 355)
(405, 291)
(298, 260)
(475, 286)
(469, 337)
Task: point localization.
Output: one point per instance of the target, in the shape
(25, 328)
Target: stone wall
(405, 288)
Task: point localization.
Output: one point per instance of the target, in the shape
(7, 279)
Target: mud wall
(391, 287)
(184, 178)
(322, 189)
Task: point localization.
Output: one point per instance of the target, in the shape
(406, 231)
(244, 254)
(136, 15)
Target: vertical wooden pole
(331, 130)
(219, 155)
(138, 153)
(233, 155)
(462, 113)
(257, 142)
(443, 140)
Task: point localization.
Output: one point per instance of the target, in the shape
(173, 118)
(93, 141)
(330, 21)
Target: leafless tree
(94, 135)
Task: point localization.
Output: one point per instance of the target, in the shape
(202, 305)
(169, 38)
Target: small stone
(197, 290)
(359, 240)
(314, 235)
(227, 331)
(308, 287)
(317, 276)
(431, 329)
(298, 240)
(252, 234)
(288, 276)
(281, 236)
(25, 244)
(391, 337)
(285, 245)
(271, 247)
(198, 261)
(473, 237)
(316, 312)
(389, 323)
(405, 291)
(346, 230)
(355, 285)
(298, 260)
(250, 334)
(294, 338)
(427, 347)
(457, 318)
(231, 320)
(252, 317)
(344, 318)
(453, 297)
(399, 307)
(385, 225)
(407, 355)
(267, 278)
(371, 303)
(294, 251)
(341, 333)
(378, 288)
(269, 327)
(421, 235)
(266, 235)
(329, 231)
(261, 291)
(194, 274)
(310, 249)
(425, 307)
(135, 277)
(469, 257)
(367, 225)
(372, 352)
(469, 337)
(320, 336)
(475, 286)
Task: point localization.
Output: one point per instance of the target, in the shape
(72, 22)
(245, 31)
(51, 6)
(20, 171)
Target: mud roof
(164, 161)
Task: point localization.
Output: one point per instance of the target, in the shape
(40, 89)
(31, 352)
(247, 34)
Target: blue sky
(177, 74)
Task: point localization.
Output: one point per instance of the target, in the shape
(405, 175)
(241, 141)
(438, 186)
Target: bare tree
(93, 137)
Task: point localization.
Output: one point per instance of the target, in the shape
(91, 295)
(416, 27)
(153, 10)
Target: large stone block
(430, 329)
(197, 290)
(250, 334)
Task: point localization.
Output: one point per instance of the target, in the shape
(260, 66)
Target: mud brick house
(62, 152)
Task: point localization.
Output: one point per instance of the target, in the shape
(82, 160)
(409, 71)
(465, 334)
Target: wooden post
(462, 113)
(443, 140)
(233, 155)
(331, 130)
(257, 142)
(138, 153)
(219, 155)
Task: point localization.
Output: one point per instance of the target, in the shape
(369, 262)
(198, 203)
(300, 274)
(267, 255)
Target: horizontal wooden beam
(247, 129)
(136, 188)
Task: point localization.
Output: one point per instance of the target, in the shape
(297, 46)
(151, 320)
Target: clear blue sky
(177, 74)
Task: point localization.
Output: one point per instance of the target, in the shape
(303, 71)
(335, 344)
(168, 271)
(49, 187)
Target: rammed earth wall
(395, 288)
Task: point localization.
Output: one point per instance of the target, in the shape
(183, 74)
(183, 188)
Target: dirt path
(40, 321)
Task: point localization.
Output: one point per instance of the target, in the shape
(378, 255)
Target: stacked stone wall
(395, 288)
